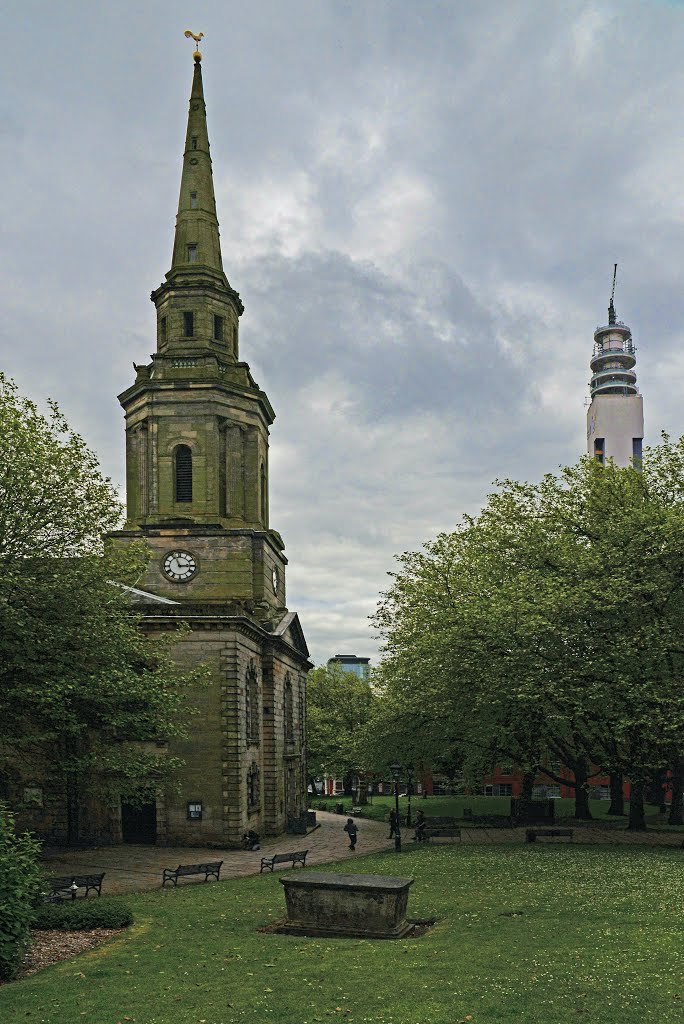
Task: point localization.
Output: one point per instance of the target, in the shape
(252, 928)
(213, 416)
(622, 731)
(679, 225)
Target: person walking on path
(393, 823)
(420, 827)
(351, 830)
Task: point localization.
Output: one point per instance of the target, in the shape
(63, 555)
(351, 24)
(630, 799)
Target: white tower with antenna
(615, 420)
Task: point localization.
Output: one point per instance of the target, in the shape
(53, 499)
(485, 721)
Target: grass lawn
(526, 934)
(453, 805)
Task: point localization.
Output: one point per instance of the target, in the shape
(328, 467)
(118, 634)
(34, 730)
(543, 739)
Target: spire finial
(191, 35)
(611, 308)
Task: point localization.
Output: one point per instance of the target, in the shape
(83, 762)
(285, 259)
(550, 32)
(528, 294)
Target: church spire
(196, 307)
(196, 240)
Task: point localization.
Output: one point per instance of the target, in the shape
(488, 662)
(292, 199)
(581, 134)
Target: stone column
(271, 719)
(232, 742)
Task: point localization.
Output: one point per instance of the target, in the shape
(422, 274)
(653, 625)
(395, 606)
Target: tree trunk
(72, 810)
(617, 799)
(677, 804)
(525, 798)
(582, 811)
(363, 790)
(348, 784)
(654, 791)
(637, 820)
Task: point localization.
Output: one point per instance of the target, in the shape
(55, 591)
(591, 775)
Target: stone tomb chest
(360, 906)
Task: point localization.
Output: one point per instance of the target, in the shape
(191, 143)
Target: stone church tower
(197, 428)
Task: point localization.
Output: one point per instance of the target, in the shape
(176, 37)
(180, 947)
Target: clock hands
(179, 565)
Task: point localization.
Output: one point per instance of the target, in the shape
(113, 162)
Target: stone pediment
(289, 628)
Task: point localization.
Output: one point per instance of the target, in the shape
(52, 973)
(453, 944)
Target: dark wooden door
(139, 823)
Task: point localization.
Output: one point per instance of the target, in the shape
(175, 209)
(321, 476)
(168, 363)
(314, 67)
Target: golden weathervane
(191, 35)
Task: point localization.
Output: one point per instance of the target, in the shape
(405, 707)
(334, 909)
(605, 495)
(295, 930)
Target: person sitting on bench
(251, 840)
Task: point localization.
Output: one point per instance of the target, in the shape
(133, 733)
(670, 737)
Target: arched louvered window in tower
(183, 473)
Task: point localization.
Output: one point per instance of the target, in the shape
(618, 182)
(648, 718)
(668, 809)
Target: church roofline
(205, 616)
(144, 595)
(291, 621)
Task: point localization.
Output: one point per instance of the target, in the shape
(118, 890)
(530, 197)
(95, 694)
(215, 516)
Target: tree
(402, 728)
(338, 706)
(20, 884)
(84, 696)
(551, 622)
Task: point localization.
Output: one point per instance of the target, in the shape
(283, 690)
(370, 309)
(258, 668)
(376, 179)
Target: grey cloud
(415, 344)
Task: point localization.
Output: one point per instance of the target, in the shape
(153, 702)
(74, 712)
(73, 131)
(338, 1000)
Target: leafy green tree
(20, 885)
(338, 707)
(551, 622)
(84, 696)
(402, 728)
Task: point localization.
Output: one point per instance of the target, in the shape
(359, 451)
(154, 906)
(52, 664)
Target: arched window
(302, 710)
(262, 479)
(288, 710)
(183, 469)
(252, 700)
(253, 787)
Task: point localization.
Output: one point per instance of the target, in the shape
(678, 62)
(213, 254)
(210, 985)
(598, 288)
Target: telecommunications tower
(615, 420)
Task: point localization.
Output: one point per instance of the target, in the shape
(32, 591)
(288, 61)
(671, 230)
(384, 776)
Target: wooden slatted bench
(283, 858)
(63, 885)
(532, 834)
(354, 811)
(209, 868)
(448, 832)
(444, 825)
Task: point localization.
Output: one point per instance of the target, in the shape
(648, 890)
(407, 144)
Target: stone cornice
(146, 385)
(208, 284)
(210, 618)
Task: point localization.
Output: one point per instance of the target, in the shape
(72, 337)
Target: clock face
(275, 578)
(179, 566)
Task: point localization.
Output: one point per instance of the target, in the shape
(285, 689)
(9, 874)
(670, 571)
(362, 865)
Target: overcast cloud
(420, 205)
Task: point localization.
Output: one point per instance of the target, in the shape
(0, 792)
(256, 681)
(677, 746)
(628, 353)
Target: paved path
(132, 868)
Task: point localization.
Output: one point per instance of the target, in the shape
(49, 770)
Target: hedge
(83, 914)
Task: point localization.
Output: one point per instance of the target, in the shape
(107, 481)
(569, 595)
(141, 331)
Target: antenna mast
(611, 308)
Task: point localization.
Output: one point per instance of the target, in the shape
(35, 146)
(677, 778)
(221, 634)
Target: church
(197, 475)
(197, 428)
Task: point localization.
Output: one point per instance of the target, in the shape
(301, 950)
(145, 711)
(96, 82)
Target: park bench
(442, 833)
(491, 820)
(355, 810)
(69, 885)
(436, 824)
(206, 869)
(532, 834)
(282, 858)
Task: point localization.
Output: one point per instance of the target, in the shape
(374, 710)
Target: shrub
(82, 914)
(20, 885)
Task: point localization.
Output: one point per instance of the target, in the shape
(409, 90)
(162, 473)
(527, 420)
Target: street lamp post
(409, 790)
(395, 769)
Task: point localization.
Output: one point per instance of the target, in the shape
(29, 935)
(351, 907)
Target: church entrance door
(139, 823)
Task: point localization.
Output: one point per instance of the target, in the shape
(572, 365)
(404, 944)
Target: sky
(420, 205)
